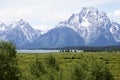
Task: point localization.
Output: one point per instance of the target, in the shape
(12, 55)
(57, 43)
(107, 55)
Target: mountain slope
(58, 37)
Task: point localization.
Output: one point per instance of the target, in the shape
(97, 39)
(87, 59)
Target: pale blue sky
(45, 14)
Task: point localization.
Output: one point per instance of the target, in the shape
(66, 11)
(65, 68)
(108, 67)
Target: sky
(45, 14)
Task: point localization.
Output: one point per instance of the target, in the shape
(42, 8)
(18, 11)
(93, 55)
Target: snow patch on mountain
(85, 23)
(2, 27)
(115, 30)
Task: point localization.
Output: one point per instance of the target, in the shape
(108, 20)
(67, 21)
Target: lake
(37, 51)
(42, 51)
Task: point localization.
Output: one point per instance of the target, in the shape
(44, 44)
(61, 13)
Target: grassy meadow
(65, 60)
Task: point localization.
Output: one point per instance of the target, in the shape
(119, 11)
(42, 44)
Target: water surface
(37, 51)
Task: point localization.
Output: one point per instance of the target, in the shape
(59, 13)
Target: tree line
(94, 48)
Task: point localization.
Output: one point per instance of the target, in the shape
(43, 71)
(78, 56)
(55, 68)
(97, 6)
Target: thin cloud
(116, 13)
(43, 28)
(48, 12)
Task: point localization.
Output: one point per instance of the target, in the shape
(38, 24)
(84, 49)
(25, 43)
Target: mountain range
(89, 27)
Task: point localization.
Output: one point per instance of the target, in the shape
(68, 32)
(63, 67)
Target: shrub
(37, 68)
(90, 68)
(51, 62)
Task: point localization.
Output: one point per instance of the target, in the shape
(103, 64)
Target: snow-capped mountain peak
(88, 11)
(26, 29)
(20, 32)
(21, 23)
(90, 24)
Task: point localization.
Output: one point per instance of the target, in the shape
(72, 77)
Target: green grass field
(64, 59)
